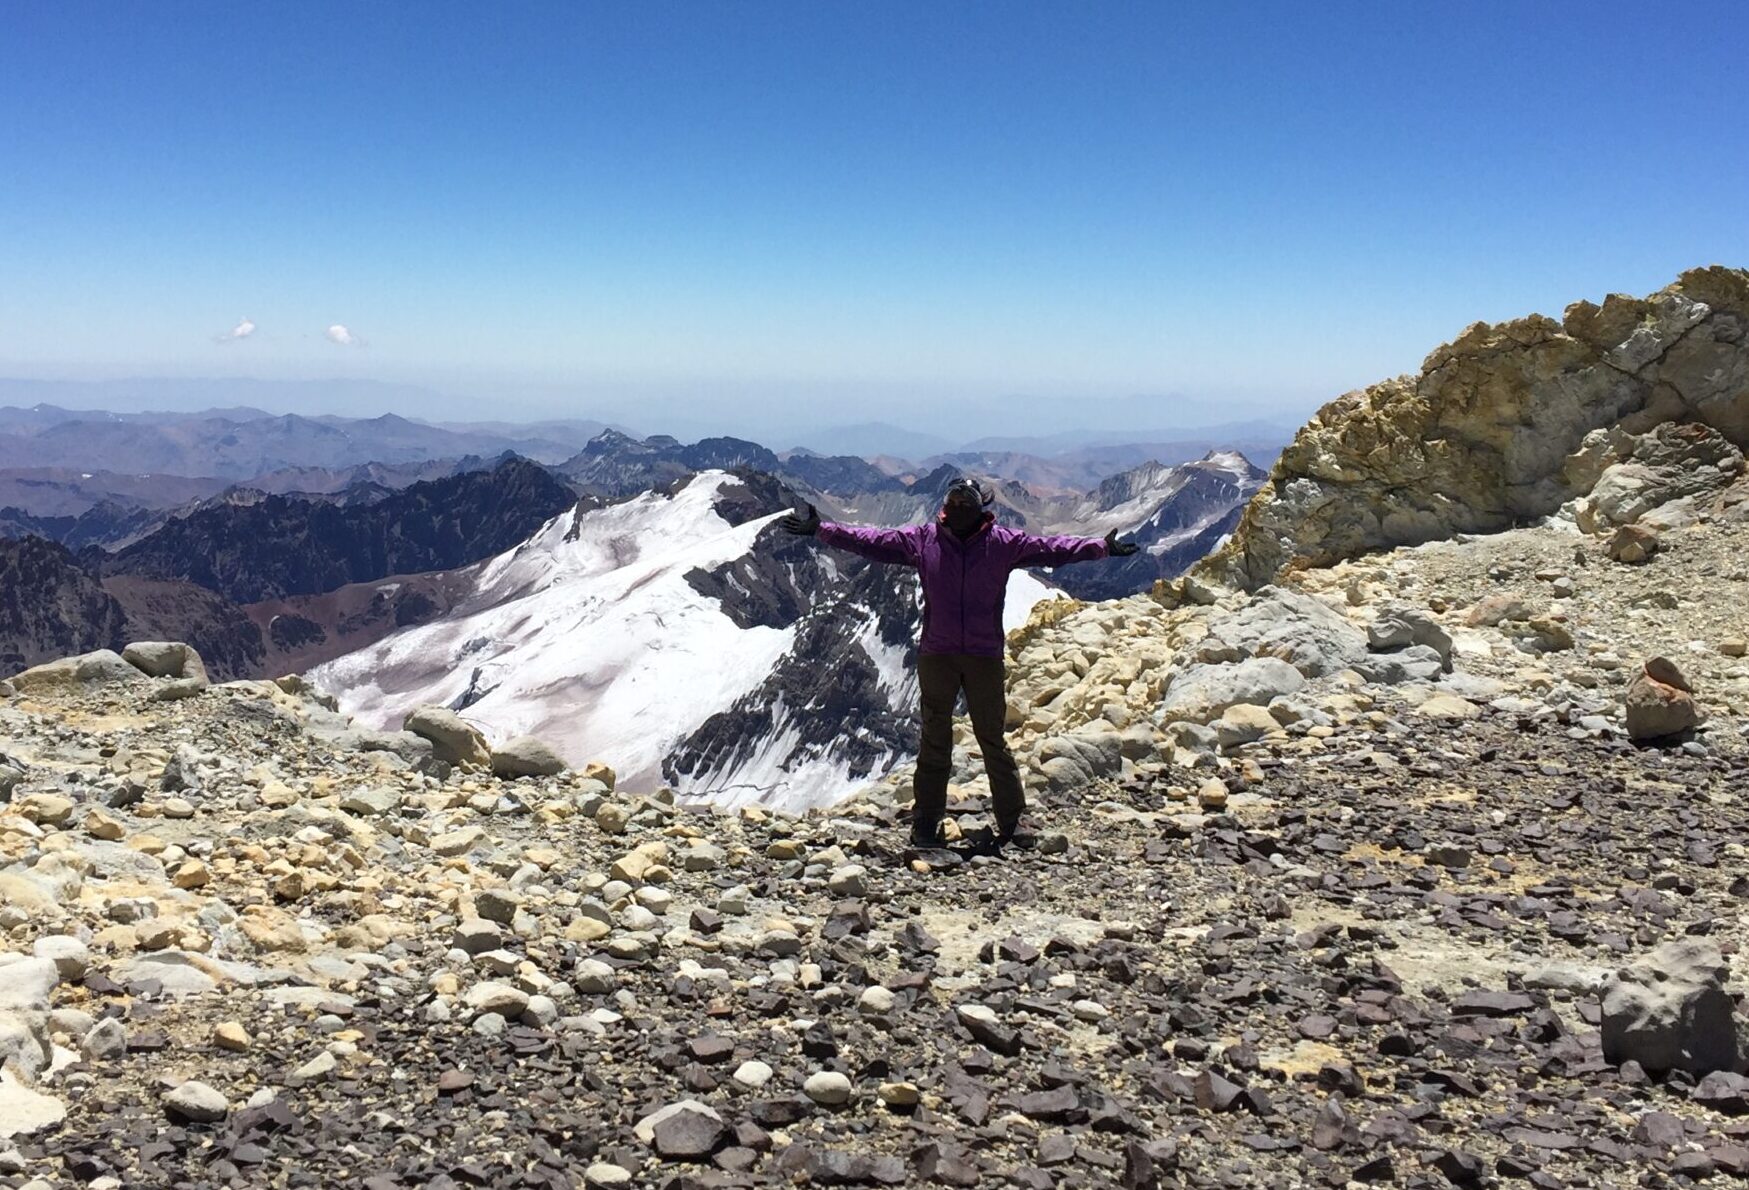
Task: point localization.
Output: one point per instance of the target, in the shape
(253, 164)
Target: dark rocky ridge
(827, 696)
(280, 546)
(51, 606)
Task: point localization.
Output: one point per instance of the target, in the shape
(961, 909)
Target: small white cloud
(339, 334)
(241, 331)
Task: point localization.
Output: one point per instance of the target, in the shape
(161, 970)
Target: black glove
(1119, 549)
(803, 525)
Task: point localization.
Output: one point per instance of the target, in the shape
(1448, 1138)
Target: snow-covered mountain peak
(681, 637)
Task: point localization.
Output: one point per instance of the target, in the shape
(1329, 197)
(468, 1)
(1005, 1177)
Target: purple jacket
(964, 582)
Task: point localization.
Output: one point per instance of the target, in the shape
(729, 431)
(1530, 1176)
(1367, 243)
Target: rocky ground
(1308, 908)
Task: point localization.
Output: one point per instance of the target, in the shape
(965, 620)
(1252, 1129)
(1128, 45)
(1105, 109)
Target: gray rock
(1417, 663)
(497, 905)
(645, 1129)
(477, 935)
(1401, 627)
(106, 1040)
(87, 671)
(197, 1102)
(1078, 757)
(25, 1044)
(1670, 1011)
(593, 977)
(526, 756)
(828, 1087)
(166, 659)
(371, 803)
(1201, 692)
(27, 984)
(174, 970)
(177, 689)
(69, 955)
(1300, 629)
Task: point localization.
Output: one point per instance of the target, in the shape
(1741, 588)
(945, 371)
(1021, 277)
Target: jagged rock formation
(839, 700)
(276, 546)
(105, 524)
(1480, 440)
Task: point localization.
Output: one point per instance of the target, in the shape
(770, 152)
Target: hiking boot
(1017, 834)
(927, 836)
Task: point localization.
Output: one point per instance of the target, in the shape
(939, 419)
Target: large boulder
(166, 659)
(27, 983)
(1304, 631)
(72, 675)
(1660, 703)
(1073, 759)
(1201, 692)
(1480, 439)
(26, 1112)
(453, 739)
(1401, 627)
(526, 756)
(25, 1045)
(1670, 1011)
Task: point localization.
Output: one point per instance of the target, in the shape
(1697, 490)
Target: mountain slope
(51, 606)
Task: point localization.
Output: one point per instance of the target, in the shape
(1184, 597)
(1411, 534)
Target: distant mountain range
(243, 443)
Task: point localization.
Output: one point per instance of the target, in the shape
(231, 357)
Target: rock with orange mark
(1660, 703)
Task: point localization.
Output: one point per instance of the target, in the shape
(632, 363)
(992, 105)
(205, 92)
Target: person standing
(963, 559)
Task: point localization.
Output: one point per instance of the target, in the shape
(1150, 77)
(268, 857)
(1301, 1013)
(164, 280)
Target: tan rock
(453, 739)
(637, 865)
(100, 825)
(586, 929)
(1633, 544)
(229, 1035)
(595, 770)
(1212, 794)
(1449, 707)
(45, 809)
(191, 874)
(270, 930)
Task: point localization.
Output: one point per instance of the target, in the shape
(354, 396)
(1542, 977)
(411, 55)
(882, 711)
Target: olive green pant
(941, 678)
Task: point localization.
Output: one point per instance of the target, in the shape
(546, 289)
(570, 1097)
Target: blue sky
(754, 214)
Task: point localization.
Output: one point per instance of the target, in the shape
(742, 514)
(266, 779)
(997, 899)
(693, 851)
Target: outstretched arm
(1057, 551)
(877, 545)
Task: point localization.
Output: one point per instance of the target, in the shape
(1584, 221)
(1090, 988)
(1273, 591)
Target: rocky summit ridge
(1497, 429)
(1417, 868)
